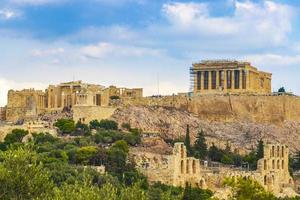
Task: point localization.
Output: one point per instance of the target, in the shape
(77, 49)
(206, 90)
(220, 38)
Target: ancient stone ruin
(178, 169)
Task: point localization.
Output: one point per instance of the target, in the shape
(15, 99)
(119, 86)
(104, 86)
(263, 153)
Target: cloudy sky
(135, 43)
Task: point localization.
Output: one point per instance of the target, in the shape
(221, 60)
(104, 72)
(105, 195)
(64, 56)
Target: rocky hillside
(243, 134)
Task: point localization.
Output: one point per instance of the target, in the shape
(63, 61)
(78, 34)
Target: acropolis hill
(231, 100)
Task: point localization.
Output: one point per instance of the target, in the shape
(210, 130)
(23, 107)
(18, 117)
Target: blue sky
(133, 42)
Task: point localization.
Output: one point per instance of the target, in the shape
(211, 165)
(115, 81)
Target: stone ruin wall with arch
(178, 169)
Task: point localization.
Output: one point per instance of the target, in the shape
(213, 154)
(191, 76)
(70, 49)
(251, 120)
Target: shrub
(108, 124)
(65, 126)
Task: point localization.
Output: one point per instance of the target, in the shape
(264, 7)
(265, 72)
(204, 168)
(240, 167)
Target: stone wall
(25, 104)
(178, 170)
(2, 113)
(261, 109)
(86, 114)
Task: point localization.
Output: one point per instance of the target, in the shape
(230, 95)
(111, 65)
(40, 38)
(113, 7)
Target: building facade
(223, 76)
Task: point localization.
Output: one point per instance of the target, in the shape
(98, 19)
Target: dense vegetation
(64, 168)
(47, 167)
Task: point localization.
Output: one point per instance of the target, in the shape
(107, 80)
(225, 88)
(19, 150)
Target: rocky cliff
(248, 122)
(260, 109)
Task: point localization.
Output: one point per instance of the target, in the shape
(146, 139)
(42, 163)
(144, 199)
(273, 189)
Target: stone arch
(181, 150)
(265, 180)
(265, 165)
(278, 151)
(182, 167)
(187, 166)
(194, 167)
(273, 151)
(278, 164)
(282, 164)
(273, 179)
(273, 164)
(282, 151)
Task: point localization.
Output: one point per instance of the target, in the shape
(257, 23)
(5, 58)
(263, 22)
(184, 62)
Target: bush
(16, 136)
(65, 126)
(94, 124)
(108, 124)
(85, 154)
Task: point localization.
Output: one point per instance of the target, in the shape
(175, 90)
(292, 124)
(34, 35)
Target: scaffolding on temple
(192, 79)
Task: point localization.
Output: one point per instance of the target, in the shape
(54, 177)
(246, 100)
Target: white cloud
(47, 52)
(103, 50)
(7, 85)
(8, 14)
(250, 21)
(275, 60)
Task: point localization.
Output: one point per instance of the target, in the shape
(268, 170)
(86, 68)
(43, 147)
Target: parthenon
(225, 76)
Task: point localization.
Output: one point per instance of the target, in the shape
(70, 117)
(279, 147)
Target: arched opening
(265, 180)
(194, 167)
(282, 151)
(181, 150)
(265, 165)
(273, 179)
(282, 164)
(181, 167)
(273, 164)
(273, 151)
(187, 166)
(278, 164)
(278, 151)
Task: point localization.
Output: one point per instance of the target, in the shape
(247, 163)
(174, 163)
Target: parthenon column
(225, 80)
(217, 80)
(202, 80)
(209, 80)
(241, 79)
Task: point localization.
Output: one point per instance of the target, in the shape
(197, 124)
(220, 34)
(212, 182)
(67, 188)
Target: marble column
(225, 80)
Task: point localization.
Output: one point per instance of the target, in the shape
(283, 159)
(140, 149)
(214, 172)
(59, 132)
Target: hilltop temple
(224, 76)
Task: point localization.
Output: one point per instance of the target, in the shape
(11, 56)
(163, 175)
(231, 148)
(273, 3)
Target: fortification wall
(89, 113)
(262, 109)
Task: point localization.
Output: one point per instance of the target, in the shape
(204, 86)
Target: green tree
(94, 124)
(108, 124)
(82, 129)
(247, 189)
(200, 147)
(282, 90)
(22, 177)
(65, 126)
(215, 154)
(187, 141)
(84, 155)
(16, 136)
(260, 150)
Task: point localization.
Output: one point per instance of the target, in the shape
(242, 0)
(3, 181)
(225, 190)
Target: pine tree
(187, 141)
(200, 147)
(260, 150)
